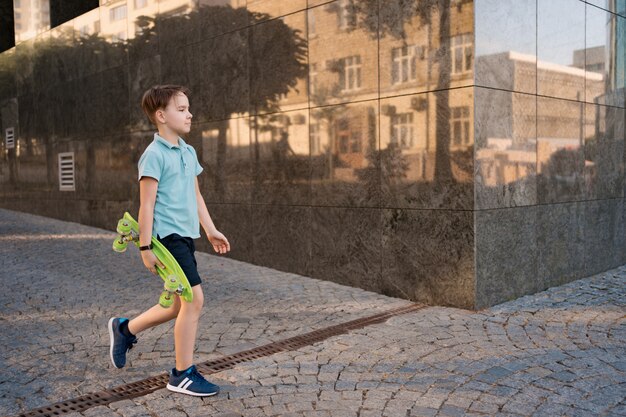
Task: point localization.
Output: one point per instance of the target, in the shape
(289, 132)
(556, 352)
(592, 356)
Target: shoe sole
(184, 391)
(111, 343)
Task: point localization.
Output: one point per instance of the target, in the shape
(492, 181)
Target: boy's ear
(158, 115)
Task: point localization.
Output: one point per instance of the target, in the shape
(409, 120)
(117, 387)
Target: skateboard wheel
(166, 299)
(123, 227)
(120, 245)
(171, 284)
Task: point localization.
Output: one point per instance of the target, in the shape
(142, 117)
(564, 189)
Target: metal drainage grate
(149, 385)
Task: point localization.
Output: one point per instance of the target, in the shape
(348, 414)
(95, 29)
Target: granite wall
(452, 152)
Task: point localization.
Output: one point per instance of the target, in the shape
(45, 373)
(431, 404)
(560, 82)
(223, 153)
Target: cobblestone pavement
(560, 352)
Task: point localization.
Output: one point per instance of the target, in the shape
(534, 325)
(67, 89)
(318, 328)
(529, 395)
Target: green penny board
(172, 269)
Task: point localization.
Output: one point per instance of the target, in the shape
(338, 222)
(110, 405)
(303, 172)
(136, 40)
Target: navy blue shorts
(183, 248)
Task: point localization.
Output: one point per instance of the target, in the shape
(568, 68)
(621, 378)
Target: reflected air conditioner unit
(9, 138)
(66, 172)
(419, 103)
(388, 110)
(298, 119)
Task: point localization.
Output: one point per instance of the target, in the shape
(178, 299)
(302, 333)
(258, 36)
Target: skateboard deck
(175, 281)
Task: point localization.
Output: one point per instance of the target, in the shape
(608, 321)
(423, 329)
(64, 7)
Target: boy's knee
(196, 304)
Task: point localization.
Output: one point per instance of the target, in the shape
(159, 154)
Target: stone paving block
(316, 413)
(452, 411)
(300, 406)
(456, 400)
(483, 407)
(419, 411)
(100, 411)
(169, 413)
(273, 410)
(370, 413)
(345, 386)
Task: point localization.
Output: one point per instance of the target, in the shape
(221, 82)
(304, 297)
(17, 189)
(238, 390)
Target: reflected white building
(31, 18)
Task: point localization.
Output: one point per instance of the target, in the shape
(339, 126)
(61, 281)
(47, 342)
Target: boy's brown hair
(158, 96)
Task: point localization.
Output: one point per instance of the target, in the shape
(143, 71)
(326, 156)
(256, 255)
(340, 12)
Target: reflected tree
(277, 58)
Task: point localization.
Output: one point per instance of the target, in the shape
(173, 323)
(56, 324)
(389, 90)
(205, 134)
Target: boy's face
(176, 114)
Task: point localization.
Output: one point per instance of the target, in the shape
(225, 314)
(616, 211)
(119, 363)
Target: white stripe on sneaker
(184, 381)
(187, 385)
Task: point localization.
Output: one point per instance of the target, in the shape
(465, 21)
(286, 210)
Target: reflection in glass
(560, 153)
(604, 151)
(506, 149)
(424, 45)
(280, 158)
(338, 71)
(275, 8)
(559, 35)
(344, 154)
(225, 155)
(418, 170)
(31, 18)
(278, 56)
(612, 62)
(506, 44)
(593, 58)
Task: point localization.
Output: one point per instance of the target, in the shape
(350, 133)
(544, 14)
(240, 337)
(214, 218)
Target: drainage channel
(149, 385)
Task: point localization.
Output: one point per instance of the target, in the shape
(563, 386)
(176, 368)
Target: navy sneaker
(120, 344)
(191, 382)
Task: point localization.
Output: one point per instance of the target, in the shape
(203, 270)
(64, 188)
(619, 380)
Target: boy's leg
(186, 328)
(153, 317)
(122, 333)
(185, 378)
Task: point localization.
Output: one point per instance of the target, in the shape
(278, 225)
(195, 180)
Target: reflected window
(462, 54)
(350, 77)
(460, 125)
(403, 66)
(314, 135)
(312, 24)
(355, 142)
(139, 4)
(342, 14)
(117, 13)
(349, 141)
(402, 133)
(312, 79)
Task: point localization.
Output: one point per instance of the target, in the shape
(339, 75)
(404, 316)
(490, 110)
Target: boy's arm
(217, 239)
(147, 197)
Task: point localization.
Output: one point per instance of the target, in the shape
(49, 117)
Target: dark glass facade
(452, 152)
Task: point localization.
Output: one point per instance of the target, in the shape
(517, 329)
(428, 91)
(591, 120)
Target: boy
(171, 207)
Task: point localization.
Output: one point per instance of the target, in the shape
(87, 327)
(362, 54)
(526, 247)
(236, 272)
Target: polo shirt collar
(181, 142)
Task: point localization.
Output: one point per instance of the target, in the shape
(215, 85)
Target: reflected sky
(551, 22)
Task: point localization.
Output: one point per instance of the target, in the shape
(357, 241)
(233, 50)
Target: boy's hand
(151, 261)
(219, 242)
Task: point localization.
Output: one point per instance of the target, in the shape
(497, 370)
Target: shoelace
(194, 375)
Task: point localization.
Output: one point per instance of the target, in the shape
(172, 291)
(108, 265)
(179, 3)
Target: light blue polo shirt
(175, 168)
